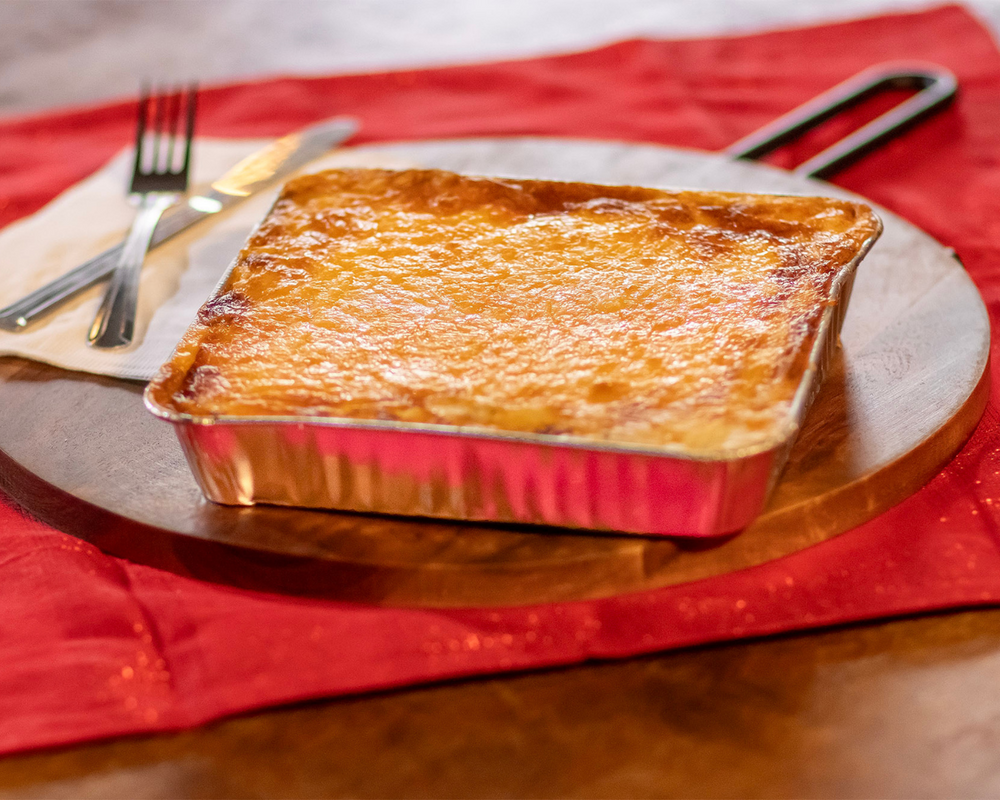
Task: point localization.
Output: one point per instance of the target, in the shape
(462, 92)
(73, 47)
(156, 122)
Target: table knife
(259, 170)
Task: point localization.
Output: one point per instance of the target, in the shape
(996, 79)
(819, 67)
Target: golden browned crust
(613, 313)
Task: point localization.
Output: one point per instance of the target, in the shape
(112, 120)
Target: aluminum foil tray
(448, 472)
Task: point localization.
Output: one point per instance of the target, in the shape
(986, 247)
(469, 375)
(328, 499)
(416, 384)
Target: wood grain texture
(903, 709)
(907, 389)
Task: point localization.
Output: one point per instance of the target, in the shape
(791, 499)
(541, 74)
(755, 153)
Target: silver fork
(159, 178)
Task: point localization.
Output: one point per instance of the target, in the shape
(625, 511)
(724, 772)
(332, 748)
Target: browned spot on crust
(228, 306)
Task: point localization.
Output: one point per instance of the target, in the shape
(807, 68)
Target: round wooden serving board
(910, 384)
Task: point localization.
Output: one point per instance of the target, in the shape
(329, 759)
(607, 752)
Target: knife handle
(19, 315)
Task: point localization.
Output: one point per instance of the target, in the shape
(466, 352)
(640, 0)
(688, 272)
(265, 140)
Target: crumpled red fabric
(94, 646)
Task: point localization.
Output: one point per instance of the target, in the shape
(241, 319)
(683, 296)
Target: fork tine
(173, 114)
(140, 130)
(192, 107)
(158, 128)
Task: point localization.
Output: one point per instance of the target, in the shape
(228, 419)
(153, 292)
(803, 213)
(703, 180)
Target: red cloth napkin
(94, 646)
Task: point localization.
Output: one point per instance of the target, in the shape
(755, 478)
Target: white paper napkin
(177, 278)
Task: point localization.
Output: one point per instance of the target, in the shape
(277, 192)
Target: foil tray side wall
(461, 477)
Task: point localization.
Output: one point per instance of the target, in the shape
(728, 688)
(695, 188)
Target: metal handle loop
(936, 87)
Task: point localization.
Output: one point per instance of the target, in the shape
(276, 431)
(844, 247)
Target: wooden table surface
(908, 708)
(903, 708)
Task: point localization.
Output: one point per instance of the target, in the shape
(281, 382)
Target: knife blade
(259, 170)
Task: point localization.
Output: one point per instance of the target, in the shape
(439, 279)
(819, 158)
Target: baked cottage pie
(614, 314)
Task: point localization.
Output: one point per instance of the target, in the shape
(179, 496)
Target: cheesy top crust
(613, 313)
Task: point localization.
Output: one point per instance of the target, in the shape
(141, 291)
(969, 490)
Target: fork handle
(114, 325)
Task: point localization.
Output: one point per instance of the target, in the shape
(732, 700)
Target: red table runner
(94, 646)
